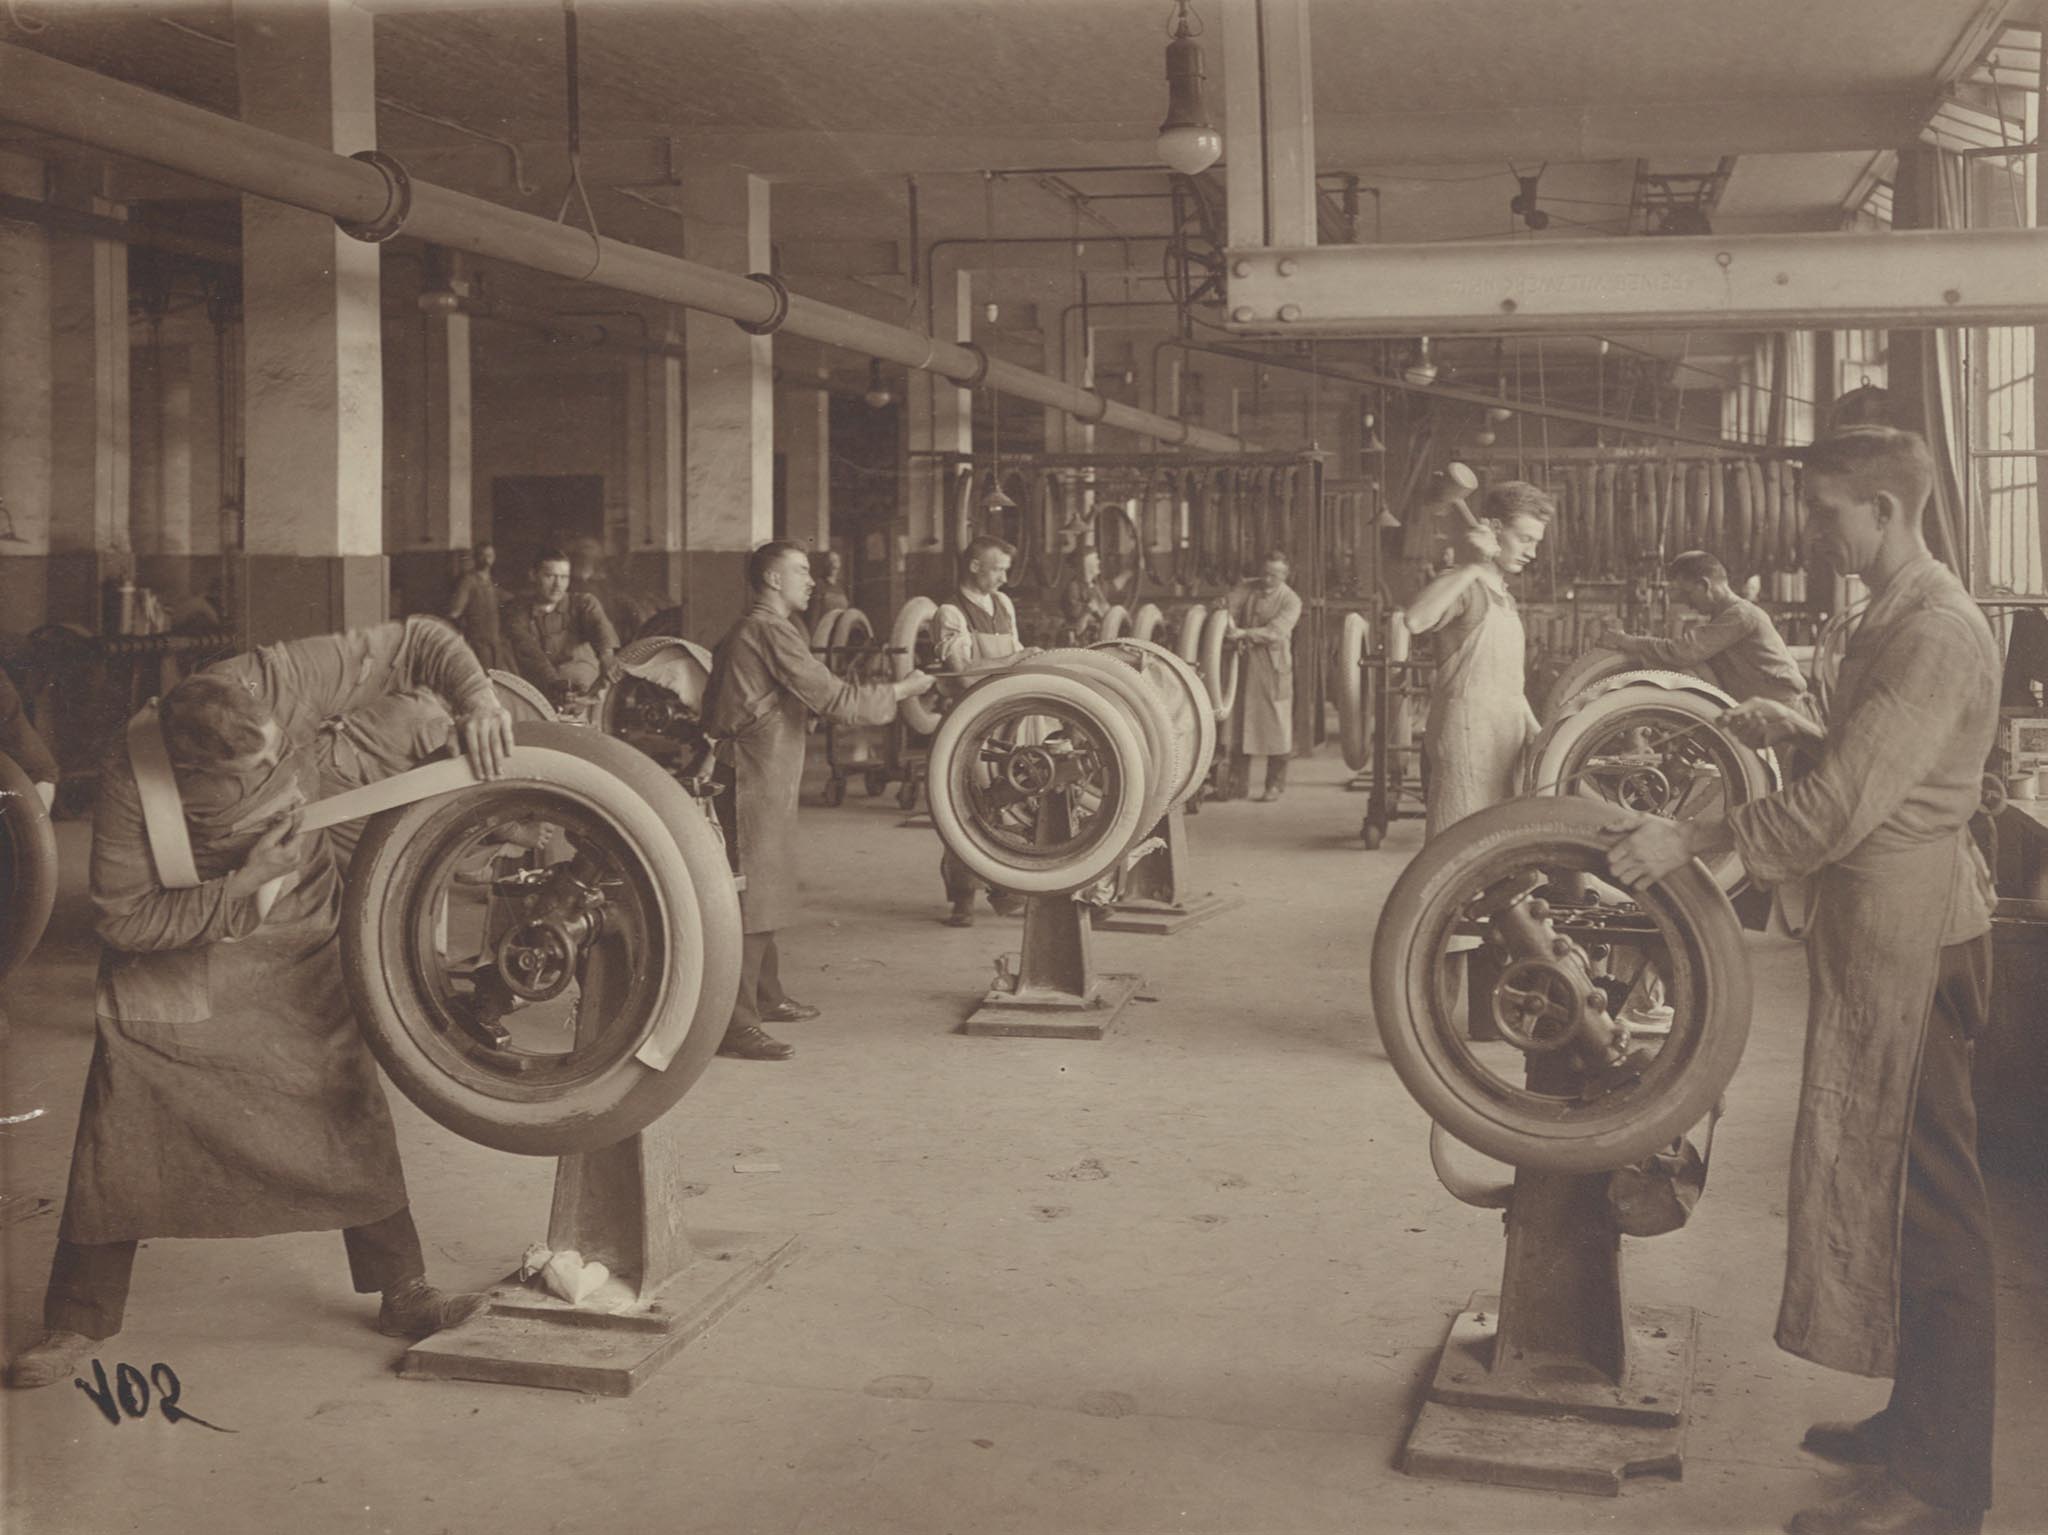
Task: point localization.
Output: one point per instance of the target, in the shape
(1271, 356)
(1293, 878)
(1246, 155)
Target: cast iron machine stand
(1155, 891)
(1555, 1382)
(1054, 991)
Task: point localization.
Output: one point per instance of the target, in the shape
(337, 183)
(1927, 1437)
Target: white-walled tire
(655, 980)
(1186, 700)
(986, 792)
(1354, 729)
(1219, 663)
(909, 641)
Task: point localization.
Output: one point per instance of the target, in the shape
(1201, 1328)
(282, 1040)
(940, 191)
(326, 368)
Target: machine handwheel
(517, 951)
(28, 866)
(1628, 1096)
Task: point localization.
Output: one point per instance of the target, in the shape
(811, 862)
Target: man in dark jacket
(561, 640)
(765, 683)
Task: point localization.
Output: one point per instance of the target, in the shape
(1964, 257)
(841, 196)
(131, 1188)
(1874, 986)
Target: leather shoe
(749, 1042)
(789, 1010)
(958, 918)
(53, 1358)
(415, 1309)
(1880, 1506)
(1848, 1444)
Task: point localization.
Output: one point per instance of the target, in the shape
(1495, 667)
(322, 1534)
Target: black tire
(28, 866)
(1354, 729)
(691, 928)
(1707, 983)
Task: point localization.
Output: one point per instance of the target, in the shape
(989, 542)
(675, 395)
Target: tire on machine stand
(1553, 1381)
(588, 867)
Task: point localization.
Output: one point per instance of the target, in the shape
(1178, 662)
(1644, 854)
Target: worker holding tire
(230, 1092)
(1888, 1263)
(1263, 612)
(980, 628)
(765, 683)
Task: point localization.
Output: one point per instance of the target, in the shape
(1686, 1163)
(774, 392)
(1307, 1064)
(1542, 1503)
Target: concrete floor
(1188, 1278)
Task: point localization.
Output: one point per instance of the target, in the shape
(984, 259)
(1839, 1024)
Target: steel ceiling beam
(1903, 279)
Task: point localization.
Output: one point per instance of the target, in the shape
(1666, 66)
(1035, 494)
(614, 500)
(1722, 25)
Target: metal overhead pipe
(72, 103)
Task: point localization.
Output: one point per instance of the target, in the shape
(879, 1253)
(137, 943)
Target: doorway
(532, 512)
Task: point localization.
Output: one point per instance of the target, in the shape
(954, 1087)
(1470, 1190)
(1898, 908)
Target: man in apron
(979, 628)
(765, 683)
(230, 1092)
(1263, 612)
(1888, 1265)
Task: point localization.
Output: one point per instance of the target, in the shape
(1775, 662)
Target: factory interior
(1076, 767)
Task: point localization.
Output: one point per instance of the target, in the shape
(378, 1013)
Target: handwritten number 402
(130, 1394)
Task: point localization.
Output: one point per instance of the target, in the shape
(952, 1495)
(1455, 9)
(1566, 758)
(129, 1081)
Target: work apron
(1478, 717)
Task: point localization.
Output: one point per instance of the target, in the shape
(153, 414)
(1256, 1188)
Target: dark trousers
(88, 1291)
(1938, 1422)
(1241, 773)
(760, 979)
(962, 885)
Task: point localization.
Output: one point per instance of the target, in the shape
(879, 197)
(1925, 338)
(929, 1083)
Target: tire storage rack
(1554, 1381)
(1624, 513)
(1172, 529)
(1053, 777)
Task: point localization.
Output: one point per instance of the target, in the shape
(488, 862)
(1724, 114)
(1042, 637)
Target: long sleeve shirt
(543, 638)
(1743, 644)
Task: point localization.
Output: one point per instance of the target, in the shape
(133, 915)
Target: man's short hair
(550, 557)
(986, 543)
(1874, 459)
(1276, 554)
(764, 559)
(1509, 499)
(209, 719)
(1697, 565)
(1870, 405)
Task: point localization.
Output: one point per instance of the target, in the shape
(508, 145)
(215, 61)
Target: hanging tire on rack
(1115, 623)
(1146, 622)
(1219, 663)
(28, 866)
(1464, 883)
(1716, 540)
(1741, 519)
(522, 700)
(992, 795)
(1165, 753)
(544, 963)
(1354, 728)
(1186, 701)
(1194, 622)
(1621, 742)
(912, 648)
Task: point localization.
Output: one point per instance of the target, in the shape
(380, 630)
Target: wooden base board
(1162, 921)
(1526, 1428)
(1053, 1015)
(525, 1337)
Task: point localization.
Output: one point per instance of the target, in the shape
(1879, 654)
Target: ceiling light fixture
(1188, 141)
(1421, 372)
(877, 395)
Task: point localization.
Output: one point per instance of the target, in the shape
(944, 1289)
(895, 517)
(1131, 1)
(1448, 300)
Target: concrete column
(89, 441)
(25, 394)
(654, 444)
(803, 423)
(161, 473)
(313, 411)
(729, 444)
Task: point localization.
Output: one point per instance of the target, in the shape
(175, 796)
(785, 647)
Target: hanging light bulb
(1188, 141)
(991, 311)
(997, 500)
(1422, 371)
(877, 394)
(1498, 413)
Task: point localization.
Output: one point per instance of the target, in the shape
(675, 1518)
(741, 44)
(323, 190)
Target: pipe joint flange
(975, 379)
(773, 323)
(397, 200)
(1101, 406)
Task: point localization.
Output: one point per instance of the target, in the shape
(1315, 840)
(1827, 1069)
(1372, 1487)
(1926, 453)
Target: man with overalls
(981, 627)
